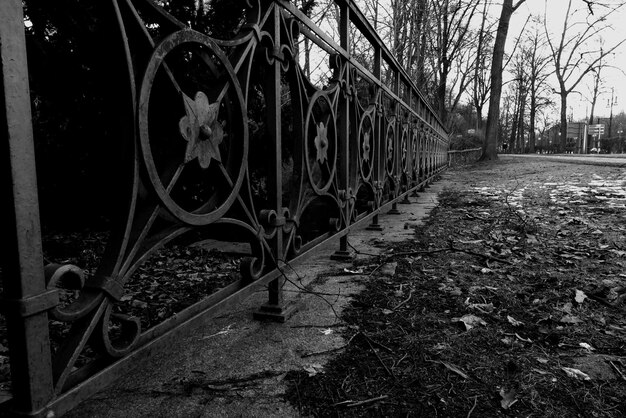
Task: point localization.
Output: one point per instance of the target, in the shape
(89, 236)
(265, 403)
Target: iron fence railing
(226, 141)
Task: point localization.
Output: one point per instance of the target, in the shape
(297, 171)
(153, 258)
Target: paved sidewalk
(234, 366)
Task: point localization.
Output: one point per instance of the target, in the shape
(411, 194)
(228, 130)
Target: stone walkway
(234, 366)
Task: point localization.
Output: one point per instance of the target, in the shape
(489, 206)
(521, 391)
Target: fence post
(275, 308)
(398, 135)
(25, 299)
(377, 168)
(343, 253)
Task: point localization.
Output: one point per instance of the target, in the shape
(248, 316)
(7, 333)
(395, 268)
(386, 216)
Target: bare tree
(451, 23)
(481, 85)
(574, 55)
(491, 136)
(596, 87)
(538, 73)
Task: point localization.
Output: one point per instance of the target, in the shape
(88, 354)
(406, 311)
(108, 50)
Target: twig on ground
(404, 301)
(418, 252)
(473, 407)
(389, 372)
(368, 401)
(332, 350)
(319, 353)
(300, 287)
(352, 404)
(486, 256)
(357, 251)
(337, 324)
(455, 249)
(618, 371)
(379, 345)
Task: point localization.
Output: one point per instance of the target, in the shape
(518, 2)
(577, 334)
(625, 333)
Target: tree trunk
(513, 133)
(563, 127)
(533, 114)
(520, 129)
(490, 151)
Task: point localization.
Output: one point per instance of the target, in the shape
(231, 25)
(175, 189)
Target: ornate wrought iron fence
(191, 168)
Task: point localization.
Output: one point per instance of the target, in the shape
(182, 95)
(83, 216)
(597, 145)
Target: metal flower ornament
(366, 146)
(321, 142)
(201, 129)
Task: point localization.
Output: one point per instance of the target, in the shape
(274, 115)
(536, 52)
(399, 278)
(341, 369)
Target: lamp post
(610, 104)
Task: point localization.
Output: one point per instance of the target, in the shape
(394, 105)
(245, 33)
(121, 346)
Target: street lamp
(611, 103)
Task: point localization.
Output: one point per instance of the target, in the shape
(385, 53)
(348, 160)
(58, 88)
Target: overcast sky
(612, 77)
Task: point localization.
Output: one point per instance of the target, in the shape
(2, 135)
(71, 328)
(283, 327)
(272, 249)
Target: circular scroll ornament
(366, 146)
(404, 150)
(320, 150)
(414, 151)
(389, 149)
(193, 127)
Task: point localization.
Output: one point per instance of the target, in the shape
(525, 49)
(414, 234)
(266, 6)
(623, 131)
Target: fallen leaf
(575, 373)
(455, 291)
(526, 340)
(327, 331)
(580, 296)
(570, 319)
(586, 346)
(514, 321)
(440, 346)
(483, 307)
(139, 304)
(531, 239)
(508, 398)
(470, 321)
(454, 369)
(313, 369)
(388, 269)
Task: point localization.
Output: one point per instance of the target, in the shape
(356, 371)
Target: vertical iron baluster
(275, 308)
(344, 152)
(377, 168)
(25, 298)
(396, 148)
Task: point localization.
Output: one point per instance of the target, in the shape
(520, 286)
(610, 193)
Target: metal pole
(275, 308)
(25, 299)
(344, 253)
(611, 115)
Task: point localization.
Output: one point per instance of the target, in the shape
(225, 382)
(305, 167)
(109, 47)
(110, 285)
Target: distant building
(578, 140)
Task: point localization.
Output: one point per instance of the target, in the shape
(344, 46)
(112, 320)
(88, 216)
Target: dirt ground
(509, 301)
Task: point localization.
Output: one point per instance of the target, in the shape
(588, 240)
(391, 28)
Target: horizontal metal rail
(223, 139)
